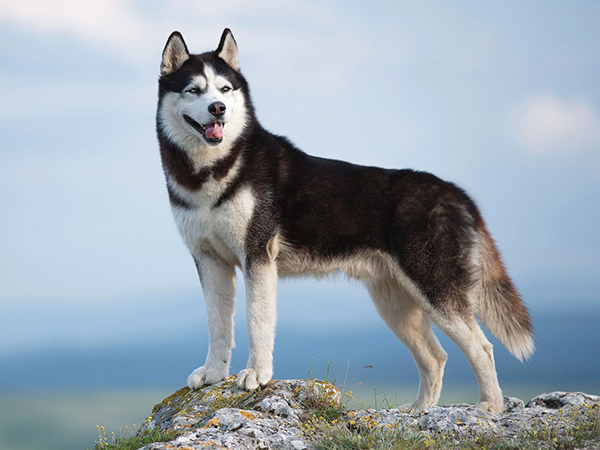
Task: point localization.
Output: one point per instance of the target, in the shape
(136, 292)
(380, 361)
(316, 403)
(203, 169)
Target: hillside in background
(566, 357)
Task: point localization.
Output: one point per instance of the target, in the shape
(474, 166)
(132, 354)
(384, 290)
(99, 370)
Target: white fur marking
(222, 229)
(199, 81)
(218, 284)
(261, 313)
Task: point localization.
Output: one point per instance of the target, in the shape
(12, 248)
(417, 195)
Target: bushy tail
(500, 305)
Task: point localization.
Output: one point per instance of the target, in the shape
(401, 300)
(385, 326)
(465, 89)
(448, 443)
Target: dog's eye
(225, 89)
(193, 90)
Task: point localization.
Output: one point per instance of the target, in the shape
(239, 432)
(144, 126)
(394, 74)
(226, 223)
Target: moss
(170, 399)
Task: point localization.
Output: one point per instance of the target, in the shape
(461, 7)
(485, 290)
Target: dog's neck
(203, 156)
(186, 166)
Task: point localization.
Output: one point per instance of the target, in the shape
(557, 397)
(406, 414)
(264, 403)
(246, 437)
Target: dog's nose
(217, 108)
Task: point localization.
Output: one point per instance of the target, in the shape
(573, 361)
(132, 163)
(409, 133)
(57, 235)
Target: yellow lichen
(214, 422)
(247, 415)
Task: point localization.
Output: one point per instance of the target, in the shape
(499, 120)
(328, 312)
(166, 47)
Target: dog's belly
(361, 264)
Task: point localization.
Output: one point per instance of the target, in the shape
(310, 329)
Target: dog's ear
(174, 54)
(227, 50)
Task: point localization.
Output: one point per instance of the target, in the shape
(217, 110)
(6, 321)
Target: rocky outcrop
(296, 414)
(223, 416)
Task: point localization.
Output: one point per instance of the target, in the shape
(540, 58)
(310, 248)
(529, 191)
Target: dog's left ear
(227, 50)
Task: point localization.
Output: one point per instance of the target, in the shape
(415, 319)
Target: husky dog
(244, 197)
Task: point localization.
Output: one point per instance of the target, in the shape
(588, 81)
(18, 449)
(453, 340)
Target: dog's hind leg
(467, 334)
(411, 325)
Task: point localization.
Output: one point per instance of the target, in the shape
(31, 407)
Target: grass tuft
(341, 438)
(129, 439)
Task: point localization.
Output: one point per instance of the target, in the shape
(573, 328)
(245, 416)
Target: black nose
(217, 108)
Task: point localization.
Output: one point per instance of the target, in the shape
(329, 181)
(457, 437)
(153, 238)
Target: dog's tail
(500, 305)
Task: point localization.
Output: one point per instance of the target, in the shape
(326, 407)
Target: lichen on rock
(223, 416)
(289, 414)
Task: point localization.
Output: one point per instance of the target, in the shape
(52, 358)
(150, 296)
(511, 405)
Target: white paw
(203, 376)
(497, 407)
(250, 379)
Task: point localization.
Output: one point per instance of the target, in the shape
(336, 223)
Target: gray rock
(512, 403)
(223, 416)
(458, 420)
(557, 400)
(278, 406)
(280, 416)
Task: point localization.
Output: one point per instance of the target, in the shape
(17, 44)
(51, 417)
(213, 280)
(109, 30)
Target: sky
(501, 98)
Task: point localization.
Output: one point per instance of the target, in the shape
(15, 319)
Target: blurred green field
(66, 420)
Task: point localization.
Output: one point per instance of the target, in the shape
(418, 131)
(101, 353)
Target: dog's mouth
(211, 132)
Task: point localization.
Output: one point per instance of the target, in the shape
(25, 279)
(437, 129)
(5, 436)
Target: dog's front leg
(261, 308)
(218, 285)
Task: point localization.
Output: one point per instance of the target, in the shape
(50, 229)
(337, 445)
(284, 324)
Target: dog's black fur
(331, 209)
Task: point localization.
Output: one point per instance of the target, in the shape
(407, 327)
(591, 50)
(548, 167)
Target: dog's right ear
(227, 50)
(174, 54)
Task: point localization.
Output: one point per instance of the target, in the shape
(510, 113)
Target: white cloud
(106, 23)
(549, 124)
(312, 40)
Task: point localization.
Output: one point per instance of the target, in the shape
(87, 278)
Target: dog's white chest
(221, 229)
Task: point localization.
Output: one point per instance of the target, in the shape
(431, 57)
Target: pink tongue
(214, 131)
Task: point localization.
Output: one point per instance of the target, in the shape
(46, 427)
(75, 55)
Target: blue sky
(502, 98)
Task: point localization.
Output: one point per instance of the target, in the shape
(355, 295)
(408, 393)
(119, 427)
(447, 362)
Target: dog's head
(203, 99)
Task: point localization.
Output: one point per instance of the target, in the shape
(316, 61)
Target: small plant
(129, 439)
(384, 403)
(342, 438)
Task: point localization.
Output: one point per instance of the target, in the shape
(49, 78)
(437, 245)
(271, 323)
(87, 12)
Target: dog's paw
(495, 407)
(250, 379)
(203, 376)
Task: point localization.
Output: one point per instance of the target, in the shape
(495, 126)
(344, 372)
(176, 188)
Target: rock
(278, 406)
(512, 403)
(292, 414)
(223, 416)
(556, 400)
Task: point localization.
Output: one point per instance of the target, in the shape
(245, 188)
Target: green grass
(342, 438)
(129, 440)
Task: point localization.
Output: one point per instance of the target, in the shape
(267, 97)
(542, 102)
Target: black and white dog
(244, 197)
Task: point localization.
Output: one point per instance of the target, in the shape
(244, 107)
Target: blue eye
(193, 90)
